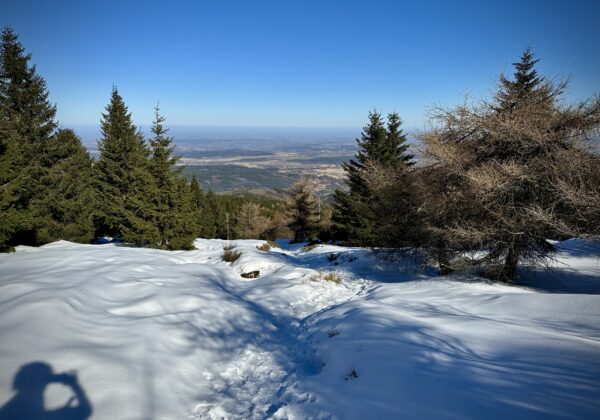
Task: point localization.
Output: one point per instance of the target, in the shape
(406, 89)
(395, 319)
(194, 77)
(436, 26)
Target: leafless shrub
(231, 255)
(506, 175)
(264, 247)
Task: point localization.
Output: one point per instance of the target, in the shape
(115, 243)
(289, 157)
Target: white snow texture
(174, 335)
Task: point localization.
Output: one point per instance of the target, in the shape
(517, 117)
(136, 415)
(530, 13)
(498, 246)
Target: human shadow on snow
(30, 382)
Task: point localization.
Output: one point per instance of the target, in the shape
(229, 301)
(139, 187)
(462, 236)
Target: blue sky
(295, 63)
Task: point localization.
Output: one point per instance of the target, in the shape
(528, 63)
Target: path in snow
(177, 333)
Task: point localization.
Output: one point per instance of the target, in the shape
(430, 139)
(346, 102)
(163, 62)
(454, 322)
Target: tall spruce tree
(26, 122)
(27, 125)
(124, 178)
(353, 218)
(170, 200)
(525, 81)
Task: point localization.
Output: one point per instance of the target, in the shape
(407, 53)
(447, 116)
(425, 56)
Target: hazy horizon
(232, 136)
(295, 64)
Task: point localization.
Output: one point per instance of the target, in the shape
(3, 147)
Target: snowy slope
(169, 335)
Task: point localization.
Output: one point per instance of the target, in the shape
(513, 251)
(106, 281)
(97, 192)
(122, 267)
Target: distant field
(220, 178)
(323, 160)
(230, 178)
(206, 154)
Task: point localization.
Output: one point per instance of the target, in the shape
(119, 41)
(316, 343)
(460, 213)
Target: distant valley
(234, 170)
(256, 161)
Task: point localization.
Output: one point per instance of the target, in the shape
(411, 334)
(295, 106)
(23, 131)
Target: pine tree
(396, 149)
(303, 211)
(65, 212)
(24, 94)
(170, 196)
(525, 81)
(353, 218)
(198, 204)
(185, 229)
(198, 196)
(124, 178)
(26, 124)
(211, 213)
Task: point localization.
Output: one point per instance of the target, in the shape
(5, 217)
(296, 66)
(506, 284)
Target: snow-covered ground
(174, 335)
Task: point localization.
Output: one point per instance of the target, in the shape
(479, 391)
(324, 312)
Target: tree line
(51, 189)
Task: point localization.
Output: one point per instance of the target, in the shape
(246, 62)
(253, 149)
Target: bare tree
(507, 174)
(251, 223)
(303, 210)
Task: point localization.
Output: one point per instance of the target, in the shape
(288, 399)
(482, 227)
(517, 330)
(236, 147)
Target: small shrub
(264, 247)
(332, 277)
(230, 255)
(273, 244)
(228, 247)
(332, 256)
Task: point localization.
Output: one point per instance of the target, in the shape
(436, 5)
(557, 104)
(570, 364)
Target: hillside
(157, 334)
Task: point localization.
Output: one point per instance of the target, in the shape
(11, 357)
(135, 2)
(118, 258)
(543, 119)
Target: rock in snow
(170, 335)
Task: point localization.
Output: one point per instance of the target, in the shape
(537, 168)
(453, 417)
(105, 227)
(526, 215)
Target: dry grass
(309, 247)
(264, 247)
(331, 277)
(230, 254)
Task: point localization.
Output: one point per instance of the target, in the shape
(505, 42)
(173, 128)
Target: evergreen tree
(124, 178)
(198, 203)
(26, 124)
(198, 196)
(353, 218)
(65, 211)
(24, 95)
(396, 149)
(170, 197)
(184, 228)
(209, 217)
(303, 211)
(525, 81)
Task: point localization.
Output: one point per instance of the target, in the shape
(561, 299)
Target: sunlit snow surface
(173, 335)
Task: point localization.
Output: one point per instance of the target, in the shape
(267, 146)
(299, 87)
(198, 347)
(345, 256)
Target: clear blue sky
(295, 63)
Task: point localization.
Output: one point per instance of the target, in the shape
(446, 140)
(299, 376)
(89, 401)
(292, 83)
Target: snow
(168, 335)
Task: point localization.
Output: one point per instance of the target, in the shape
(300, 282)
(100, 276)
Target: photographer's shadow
(30, 382)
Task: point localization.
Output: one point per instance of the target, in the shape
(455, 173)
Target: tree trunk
(509, 271)
(444, 260)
